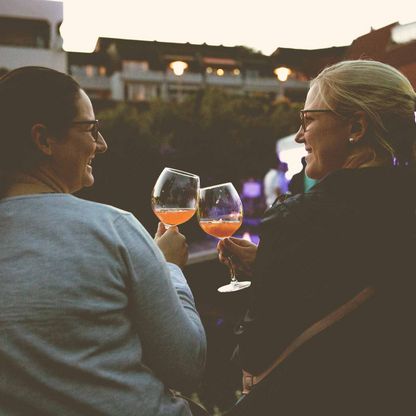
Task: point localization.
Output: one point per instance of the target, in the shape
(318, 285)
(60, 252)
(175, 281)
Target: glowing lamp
(178, 67)
(282, 73)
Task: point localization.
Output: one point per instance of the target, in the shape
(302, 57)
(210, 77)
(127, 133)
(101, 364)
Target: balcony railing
(272, 84)
(14, 57)
(144, 76)
(226, 80)
(186, 78)
(186, 82)
(96, 82)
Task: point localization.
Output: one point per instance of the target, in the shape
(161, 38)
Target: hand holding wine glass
(175, 196)
(220, 214)
(242, 251)
(172, 244)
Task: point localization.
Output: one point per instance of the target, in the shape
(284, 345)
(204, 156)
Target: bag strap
(196, 408)
(249, 380)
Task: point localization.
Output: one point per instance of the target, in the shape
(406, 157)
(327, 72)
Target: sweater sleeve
(162, 309)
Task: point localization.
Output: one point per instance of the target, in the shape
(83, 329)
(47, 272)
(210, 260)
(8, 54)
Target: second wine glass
(175, 196)
(220, 214)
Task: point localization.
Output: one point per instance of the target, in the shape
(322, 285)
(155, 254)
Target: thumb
(220, 246)
(171, 229)
(230, 246)
(160, 230)
(239, 242)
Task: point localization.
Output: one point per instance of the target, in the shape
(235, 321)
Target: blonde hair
(386, 97)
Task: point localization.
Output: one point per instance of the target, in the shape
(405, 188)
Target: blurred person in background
(332, 293)
(96, 318)
(275, 182)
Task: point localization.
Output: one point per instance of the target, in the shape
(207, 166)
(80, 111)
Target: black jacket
(318, 250)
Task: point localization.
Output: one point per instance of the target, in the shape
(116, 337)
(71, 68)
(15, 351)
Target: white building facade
(29, 34)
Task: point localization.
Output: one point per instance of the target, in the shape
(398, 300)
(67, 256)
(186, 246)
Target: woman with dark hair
(329, 330)
(95, 318)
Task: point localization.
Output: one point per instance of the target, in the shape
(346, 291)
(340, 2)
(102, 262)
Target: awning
(220, 61)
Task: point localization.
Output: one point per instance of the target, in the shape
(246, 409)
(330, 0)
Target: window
(135, 66)
(141, 92)
(31, 33)
(90, 71)
(252, 73)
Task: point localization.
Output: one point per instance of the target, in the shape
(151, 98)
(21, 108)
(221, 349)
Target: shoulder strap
(249, 380)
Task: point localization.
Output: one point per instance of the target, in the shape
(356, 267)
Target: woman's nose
(101, 144)
(299, 135)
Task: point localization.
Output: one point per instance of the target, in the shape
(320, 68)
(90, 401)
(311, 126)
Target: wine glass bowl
(220, 214)
(220, 228)
(175, 196)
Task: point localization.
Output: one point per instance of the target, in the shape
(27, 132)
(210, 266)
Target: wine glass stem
(232, 270)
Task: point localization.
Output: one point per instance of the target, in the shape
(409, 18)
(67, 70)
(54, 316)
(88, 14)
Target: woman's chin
(88, 181)
(311, 171)
(309, 165)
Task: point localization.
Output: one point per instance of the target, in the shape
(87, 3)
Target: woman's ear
(41, 138)
(359, 126)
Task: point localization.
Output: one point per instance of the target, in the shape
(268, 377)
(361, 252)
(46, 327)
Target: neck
(28, 183)
(366, 158)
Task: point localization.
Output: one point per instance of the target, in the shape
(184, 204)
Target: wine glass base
(233, 287)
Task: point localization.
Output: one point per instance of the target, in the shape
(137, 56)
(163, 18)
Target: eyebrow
(324, 110)
(87, 123)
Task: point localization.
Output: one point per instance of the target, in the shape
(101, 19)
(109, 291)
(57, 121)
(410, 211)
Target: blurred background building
(136, 70)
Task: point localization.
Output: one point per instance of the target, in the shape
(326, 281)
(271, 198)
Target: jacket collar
(371, 184)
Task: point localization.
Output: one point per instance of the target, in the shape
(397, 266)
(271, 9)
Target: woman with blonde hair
(329, 326)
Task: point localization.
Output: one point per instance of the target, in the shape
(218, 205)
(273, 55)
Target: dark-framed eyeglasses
(95, 127)
(303, 112)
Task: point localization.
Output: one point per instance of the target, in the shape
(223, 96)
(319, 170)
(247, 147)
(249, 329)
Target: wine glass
(175, 196)
(220, 214)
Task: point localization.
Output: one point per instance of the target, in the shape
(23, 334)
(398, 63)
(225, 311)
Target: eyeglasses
(95, 128)
(302, 116)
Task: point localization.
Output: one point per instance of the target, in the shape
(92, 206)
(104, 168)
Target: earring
(351, 140)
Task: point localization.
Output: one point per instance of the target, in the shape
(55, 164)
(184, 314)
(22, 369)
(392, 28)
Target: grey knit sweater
(93, 321)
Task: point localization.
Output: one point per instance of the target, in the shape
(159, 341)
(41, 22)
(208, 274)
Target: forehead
(314, 99)
(84, 106)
